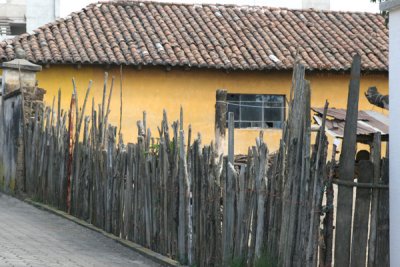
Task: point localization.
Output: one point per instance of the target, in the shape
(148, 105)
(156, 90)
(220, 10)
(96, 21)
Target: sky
(68, 6)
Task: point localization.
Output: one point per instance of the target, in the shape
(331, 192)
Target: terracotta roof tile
(131, 32)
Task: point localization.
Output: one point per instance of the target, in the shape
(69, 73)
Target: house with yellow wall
(171, 55)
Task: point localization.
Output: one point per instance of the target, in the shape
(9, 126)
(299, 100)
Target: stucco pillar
(394, 131)
(18, 73)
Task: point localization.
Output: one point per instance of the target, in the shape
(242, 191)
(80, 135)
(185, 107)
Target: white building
(394, 132)
(12, 17)
(20, 16)
(40, 12)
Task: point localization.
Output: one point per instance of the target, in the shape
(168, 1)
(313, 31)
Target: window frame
(263, 106)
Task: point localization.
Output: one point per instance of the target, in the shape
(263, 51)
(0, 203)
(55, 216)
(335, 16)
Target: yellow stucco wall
(153, 89)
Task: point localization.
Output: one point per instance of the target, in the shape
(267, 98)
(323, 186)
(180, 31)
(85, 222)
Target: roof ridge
(231, 5)
(166, 3)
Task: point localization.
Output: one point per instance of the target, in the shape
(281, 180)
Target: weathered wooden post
(261, 158)
(19, 97)
(376, 160)
(71, 144)
(382, 234)
(346, 169)
(183, 196)
(229, 199)
(221, 109)
(290, 183)
(361, 214)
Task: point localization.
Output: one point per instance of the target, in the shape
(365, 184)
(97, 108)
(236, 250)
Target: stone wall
(20, 98)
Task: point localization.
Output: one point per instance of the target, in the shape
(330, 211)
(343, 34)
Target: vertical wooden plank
(148, 191)
(36, 152)
(102, 114)
(174, 190)
(77, 175)
(291, 171)
(382, 241)
(110, 180)
(183, 201)
(196, 197)
(164, 181)
(252, 226)
(155, 199)
(217, 215)
(128, 203)
(190, 199)
(240, 213)
(71, 143)
(221, 109)
(311, 254)
(121, 192)
(346, 169)
(228, 221)
(137, 187)
(50, 174)
(85, 180)
(44, 155)
(326, 252)
(38, 163)
(261, 187)
(361, 215)
(305, 185)
(276, 202)
(64, 158)
(107, 111)
(57, 176)
(116, 177)
(376, 160)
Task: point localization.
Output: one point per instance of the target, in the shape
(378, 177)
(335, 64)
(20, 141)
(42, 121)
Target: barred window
(257, 111)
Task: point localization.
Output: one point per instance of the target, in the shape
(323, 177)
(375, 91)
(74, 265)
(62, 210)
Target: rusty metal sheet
(369, 122)
(340, 113)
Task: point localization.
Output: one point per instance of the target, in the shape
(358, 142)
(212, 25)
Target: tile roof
(207, 36)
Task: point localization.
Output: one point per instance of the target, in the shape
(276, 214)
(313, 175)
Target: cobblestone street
(33, 237)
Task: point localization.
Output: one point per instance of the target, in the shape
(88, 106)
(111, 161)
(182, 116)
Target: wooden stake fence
(189, 202)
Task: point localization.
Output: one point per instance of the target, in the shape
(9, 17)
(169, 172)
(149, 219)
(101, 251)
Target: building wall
(394, 150)
(13, 9)
(40, 12)
(154, 89)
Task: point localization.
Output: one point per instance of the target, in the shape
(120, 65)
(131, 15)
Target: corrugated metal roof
(369, 122)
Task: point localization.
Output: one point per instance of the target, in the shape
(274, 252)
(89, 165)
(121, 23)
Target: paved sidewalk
(33, 237)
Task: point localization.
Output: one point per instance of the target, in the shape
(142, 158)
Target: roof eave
(213, 68)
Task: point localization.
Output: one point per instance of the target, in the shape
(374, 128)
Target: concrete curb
(163, 260)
